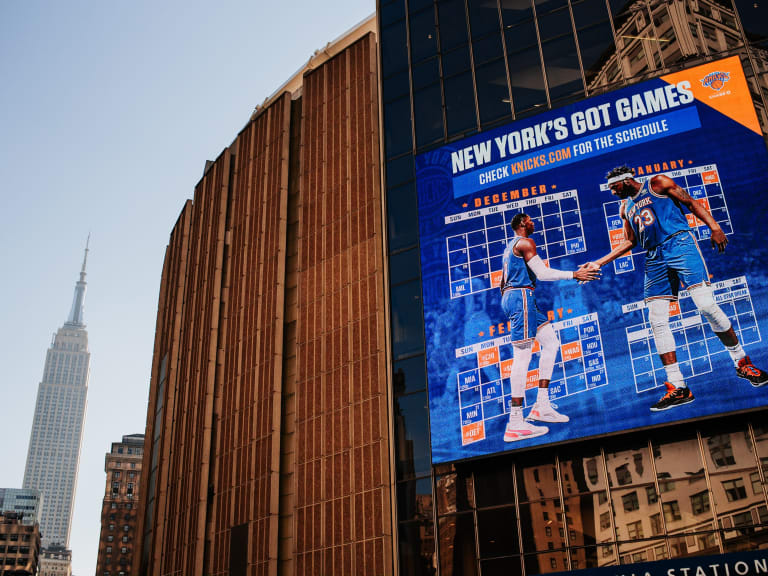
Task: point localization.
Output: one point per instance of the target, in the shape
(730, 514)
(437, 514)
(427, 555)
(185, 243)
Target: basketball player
(522, 268)
(653, 216)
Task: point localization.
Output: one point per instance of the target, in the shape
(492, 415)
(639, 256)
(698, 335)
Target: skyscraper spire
(78, 303)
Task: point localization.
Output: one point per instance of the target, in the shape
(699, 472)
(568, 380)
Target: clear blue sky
(108, 112)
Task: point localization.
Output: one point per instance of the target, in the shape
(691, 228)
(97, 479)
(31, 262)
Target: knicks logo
(715, 80)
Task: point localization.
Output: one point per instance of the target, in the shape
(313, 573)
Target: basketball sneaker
(674, 397)
(750, 372)
(522, 430)
(546, 413)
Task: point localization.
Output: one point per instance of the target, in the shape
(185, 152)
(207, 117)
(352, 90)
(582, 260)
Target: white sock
(736, 352)
(515, 414)
(542, 398)
(674, 376)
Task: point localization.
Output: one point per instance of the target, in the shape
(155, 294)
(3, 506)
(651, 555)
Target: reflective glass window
(520, 37)
(416, 5)
(537, 516)
(410, 417)
(515, 11)
(417, 548)
(394, 49)
(754, 19)
(397, 127)
(396, 86)
(597, 51)
(414, 500)
(544, 6)
(562, 67)
(497, 532)
(582, 518)
(428, 115)
(457, 545)
(629, 466)
(426, 73)
(404, 266)
(589, 12)
(399, 170)
(459, 104)
(455, 493)
(453, 24)
(509, 566)
(678, 457)
(582, 472)
(409, 375)
(527, 80)
(486, 49)
(456, 61)
(555, 25)
(407, 325)
(545, 563)
(483, 17)
(693, 511)
(631, 553)
(494, 485)
(492, 91)
(391, 12)
(403, 223)
(423, 35)
(537, 480)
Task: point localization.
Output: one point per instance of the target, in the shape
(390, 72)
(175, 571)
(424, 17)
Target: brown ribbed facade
(267, 445)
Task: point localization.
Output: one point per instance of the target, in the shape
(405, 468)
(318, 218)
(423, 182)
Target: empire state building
(57, 429)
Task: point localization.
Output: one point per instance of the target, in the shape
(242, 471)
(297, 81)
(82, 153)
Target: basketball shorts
(677, 259)
(519, 304)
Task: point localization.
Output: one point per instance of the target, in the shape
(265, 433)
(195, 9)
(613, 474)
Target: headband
(619, 178)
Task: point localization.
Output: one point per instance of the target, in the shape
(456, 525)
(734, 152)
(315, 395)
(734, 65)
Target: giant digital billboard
(692, 152)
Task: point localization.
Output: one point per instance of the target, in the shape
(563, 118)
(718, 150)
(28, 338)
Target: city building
(23, 501)
(57, 427)
(296, 420)
(122, 495)
(19, 546)
(55, 561)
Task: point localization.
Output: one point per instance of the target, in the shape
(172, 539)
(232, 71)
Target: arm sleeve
(547, 274)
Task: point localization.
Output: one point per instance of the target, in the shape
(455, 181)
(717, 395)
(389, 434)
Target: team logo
(716, 80)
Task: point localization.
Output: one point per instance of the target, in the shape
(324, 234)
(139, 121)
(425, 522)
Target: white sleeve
(547, 274)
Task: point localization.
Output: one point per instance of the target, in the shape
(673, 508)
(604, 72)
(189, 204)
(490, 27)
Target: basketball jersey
(654, 218)
(515, 272)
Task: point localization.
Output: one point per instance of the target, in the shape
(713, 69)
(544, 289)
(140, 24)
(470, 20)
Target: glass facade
(452, 68)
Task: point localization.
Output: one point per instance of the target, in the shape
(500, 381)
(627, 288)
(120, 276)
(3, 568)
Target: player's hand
(590, 266)
(719, 241)
(587, 273)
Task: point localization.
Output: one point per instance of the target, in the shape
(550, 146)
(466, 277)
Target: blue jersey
(515, 273)
(654, 218)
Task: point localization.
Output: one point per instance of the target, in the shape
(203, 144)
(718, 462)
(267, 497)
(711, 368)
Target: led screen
(698, 128)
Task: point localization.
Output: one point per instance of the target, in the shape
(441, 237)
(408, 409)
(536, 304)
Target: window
(671, 511)
(605, 520)
(553, 562)
(650, 493)
(124, 550)
(700, 502)
(721, 450)
(630, 502)
(623, 475)
(635, 530)
(116, 474)
(108, 550)
(734, 489)
(757, 487)
(666, 486)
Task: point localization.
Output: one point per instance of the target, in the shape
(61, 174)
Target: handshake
(587, 272)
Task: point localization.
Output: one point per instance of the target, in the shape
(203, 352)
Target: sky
(108, 112)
